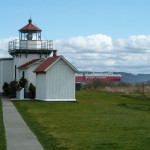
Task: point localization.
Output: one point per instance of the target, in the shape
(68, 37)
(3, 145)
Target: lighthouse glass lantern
(30, 36)
(30, 42)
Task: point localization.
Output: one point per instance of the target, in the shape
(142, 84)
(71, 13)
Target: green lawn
(2, 131)
(97, 121)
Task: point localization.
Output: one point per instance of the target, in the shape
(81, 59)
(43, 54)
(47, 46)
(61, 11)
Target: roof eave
(52, 64)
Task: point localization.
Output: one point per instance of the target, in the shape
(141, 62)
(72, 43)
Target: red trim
(49, 61)
(30, 27)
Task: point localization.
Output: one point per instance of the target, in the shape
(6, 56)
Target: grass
(2, 131)
(98, 120)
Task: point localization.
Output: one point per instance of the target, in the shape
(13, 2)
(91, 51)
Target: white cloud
(134, 44)
(139, 42)
(101, 53)
(91, 43)
(4, 46)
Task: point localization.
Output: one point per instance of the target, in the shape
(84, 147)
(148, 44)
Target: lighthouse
(52, 75)
(29, 46)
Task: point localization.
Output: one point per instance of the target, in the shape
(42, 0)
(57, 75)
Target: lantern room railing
(30, 45)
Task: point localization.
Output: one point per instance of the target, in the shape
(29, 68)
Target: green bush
(13, 87)
(6, 88)
(22, 82)
(78, 86)
(32, 90)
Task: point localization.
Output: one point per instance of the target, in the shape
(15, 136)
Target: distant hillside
(132, 78)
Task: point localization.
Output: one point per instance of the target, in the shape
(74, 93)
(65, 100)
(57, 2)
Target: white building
(55, 80)
(6, 71)
(31, 53)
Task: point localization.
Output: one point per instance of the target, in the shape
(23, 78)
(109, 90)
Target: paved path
(18, 135)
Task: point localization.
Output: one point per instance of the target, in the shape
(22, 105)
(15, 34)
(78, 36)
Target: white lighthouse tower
(29, 46)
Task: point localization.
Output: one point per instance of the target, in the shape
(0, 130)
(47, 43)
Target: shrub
(6, 88)
(97, 84)
(22, 82)
(32, 90)
(78, 86)
(13, 87)
(140, 88)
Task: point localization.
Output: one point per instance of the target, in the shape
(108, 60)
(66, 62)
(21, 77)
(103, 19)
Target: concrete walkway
(18, 135)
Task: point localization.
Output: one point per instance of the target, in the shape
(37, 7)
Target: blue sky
(113, 35)
(64, 18)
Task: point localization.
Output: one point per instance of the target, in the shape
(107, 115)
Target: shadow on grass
(139, 108)
(136, 96)
(107, 145)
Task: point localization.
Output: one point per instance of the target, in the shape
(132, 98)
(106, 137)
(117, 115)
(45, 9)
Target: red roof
(30, 27)
(48, 62)
(28, 63)
(80, 79)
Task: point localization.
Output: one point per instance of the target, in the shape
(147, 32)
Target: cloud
(100, 52)
(134, 44)
(139, 42)
(90, 44)
(4, 46)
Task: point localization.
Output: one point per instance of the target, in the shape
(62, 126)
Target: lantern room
(30, 41)
(30, 32)
(30, 36)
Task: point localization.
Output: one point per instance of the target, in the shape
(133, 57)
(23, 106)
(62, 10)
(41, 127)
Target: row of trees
(11, 88)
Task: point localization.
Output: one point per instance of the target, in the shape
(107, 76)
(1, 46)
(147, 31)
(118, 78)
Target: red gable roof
(28, 63)
(48, 62)
(30, 27)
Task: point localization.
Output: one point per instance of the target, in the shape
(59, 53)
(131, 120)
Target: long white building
(6, 71)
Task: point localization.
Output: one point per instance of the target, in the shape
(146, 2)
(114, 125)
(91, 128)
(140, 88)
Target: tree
(22, 82)
(32, 90)
(13, 87)
(6, 88)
